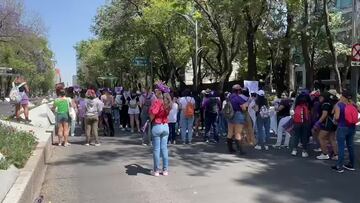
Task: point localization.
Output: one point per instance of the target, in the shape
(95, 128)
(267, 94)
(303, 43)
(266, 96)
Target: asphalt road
(118, 171)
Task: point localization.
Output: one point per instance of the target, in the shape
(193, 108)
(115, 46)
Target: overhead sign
(355, 55)
(140, 62)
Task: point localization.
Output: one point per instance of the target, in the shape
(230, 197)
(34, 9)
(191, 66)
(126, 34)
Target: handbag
(72, 112)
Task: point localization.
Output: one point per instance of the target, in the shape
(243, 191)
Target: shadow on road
(134, 169)
(305, 180)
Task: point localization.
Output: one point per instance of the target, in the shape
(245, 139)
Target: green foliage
(16, 146)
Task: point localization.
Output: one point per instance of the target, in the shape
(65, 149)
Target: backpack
(118, 100)
(133, 103)
(15, 94)
(264, 112)
(212, 106)
(189, 109)
(351, 115)
(301, 114)
(147, 104)
(228, 110)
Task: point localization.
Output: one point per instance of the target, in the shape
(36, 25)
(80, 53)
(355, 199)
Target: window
(341, 4)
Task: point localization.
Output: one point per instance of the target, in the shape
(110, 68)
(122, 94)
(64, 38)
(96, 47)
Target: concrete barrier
(29, 181)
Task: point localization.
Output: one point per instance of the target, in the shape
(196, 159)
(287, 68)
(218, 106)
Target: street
(118, 171)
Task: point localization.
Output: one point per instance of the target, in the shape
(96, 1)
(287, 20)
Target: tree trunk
(286, 60)
(330, 40)
(305, 48)
(250, 41)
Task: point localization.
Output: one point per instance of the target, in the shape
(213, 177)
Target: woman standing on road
(62, 106)
(93, 108)
(187, 107)
(159, 112)
(24, 91)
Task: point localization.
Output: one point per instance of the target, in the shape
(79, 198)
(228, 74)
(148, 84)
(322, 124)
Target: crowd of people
(241, 117)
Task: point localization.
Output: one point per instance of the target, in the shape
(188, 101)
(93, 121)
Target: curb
(29, 182)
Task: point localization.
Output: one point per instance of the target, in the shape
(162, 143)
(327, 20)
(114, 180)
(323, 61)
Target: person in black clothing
(124, 116)
(284, 107)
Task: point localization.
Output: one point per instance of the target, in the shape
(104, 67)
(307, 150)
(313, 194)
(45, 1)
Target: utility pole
(355, 39)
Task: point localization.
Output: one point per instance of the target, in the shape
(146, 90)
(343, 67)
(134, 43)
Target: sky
(67, 22)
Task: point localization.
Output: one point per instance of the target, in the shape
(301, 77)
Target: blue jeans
(211, 121)
(160, 134)
(345, 134)
(222, 124)
(116, 112)
(263, 130)
(186, 124)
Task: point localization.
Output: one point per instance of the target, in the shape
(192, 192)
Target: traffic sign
(140, 62)
(355, 55)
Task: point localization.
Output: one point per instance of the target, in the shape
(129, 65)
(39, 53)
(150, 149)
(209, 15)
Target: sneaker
(304, 154)
(285, 146)
(257, 147)
(144, 144)
(317, 150)
(335, 157)
(276, 146)
(207, 141)
(266, 147)
(59, 144)
(337, 169)
(87, 144)
(294, 152)
(97, 144)
(323, 157)
(349, 167)
(165, 173)
(67, 144)
(155, 173)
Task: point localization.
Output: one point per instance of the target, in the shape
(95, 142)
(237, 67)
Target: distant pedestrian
(24, 102)
(159, 112)
(187, 107)
(93, 108)
(345, 115)
(61, 107)
(262, 120)
(145, 100)
(108, 101)
(237, 122)
(134, 112)
(172, 121)
(212, 107)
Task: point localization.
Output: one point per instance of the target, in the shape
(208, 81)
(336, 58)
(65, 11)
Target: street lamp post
(196, 25)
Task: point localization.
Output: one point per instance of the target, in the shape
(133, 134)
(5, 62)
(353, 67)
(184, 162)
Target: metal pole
(196, 54)
(354, 69)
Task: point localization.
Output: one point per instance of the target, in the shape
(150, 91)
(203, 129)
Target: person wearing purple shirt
(345, 134)
(145, 101)
(212, 106)
(237, 123)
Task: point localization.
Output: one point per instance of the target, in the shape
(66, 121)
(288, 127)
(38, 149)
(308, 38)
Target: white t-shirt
(183, 101)
(172, 117)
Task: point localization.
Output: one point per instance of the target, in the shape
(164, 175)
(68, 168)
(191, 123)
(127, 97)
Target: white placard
(253, 86)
